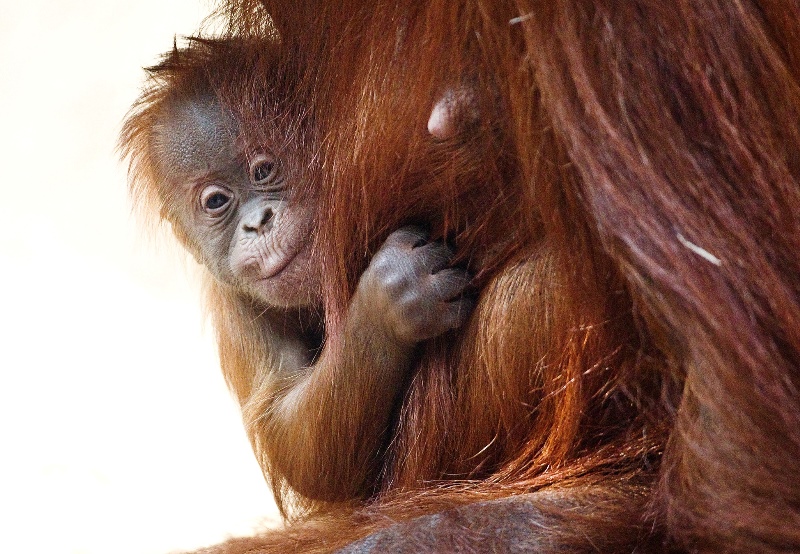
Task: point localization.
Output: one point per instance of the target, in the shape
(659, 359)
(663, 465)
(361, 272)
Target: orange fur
(628, 200)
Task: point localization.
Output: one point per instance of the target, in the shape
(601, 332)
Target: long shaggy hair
(628, 201)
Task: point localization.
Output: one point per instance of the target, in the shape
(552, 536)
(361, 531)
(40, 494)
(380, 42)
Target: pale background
(117, 434)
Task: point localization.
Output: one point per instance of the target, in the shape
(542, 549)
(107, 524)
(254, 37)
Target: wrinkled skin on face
(242, 225)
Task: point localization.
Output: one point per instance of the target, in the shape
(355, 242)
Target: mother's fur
(629, 200)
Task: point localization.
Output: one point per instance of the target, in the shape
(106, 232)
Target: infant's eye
(215, 199)
(263, 171)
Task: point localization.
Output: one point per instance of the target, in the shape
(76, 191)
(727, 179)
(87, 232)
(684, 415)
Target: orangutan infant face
(231, 212)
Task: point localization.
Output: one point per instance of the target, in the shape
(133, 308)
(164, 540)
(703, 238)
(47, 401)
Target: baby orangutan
(325, 408)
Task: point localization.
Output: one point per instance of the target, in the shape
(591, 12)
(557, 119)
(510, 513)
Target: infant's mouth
(276, 269)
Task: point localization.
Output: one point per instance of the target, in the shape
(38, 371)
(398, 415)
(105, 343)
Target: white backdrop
(116, 431)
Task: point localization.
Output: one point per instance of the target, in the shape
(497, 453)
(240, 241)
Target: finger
(450, 283)
(432, 257)
(409, 236)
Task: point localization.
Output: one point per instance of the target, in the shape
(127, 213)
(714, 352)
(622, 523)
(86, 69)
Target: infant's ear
(454, 112)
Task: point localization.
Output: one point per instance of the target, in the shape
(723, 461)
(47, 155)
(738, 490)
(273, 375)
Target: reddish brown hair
(629, 202)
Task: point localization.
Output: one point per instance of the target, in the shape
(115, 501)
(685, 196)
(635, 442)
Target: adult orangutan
(624, 186)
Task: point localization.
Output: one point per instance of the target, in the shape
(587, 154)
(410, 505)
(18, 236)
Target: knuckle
(407, 236)
(450, 283)
(452, 277)
(431, 258)
(389, 265)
